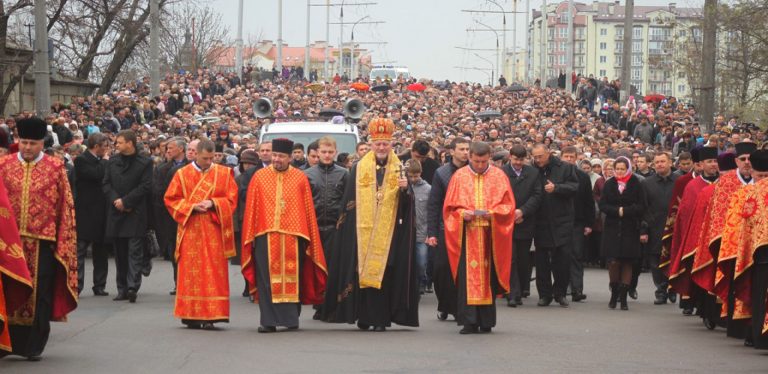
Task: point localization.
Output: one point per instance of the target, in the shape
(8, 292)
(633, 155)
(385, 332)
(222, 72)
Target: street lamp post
(352, 49)
(497, 44)
(503, 36)
(489, 62)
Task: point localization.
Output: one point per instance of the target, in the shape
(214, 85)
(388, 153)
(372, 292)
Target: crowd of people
(475, 185)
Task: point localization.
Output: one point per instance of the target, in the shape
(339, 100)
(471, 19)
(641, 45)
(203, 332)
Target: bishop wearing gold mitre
(746, 238)
(45, 215)
(282, 256)
(202, 198)
(15, 283)
(373, 274)
(479, 216)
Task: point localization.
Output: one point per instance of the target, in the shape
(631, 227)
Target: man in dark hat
(748, 258)
(688, 226)
(40, 194)
(282, 254)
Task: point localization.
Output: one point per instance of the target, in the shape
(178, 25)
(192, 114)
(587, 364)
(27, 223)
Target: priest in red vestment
(688, 227)
(15, 282)
(202, 198)
(748, 231)
(479, 216)
(45, 214)
(671, 240)
(282, 255)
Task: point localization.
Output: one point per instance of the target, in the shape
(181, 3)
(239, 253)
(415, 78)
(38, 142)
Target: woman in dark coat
(623, 204)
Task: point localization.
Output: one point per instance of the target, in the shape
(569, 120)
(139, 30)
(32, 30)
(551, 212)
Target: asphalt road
(105, 336)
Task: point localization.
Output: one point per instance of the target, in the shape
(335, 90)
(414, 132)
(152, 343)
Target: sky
(420, 34)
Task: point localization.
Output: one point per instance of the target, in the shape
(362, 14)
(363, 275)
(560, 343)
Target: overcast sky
(420, 34)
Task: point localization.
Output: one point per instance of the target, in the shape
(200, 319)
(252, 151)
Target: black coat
(621, 235)
(165, 226)
(428, 167)
(584, 202)
(130, 179)
(658, 193)
(528, 191)
(90, 201)
(554, 220)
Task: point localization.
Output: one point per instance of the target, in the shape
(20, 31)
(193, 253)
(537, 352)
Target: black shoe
(526, 293)
(468, 329)
(512, 303)
(578, 296)
(100, 292)
(173, 292)
(688, 311)
(379, 328)
(672, 297)
(660, 300)
(518, 301)
(131, 296)
(267, 329)
(614, 295)
(207, 326)
(147, 269)
(623, 291)
(633, 294)
(291, 328)
(316, 316)
(442, 316)
(562, 301)
(430, 289)
(485, 330)
(246, 292)
(422, 290)
(34, 358)
(193, 325)
(120, 297)
(748, 342)
(545, 301)
(363, 326)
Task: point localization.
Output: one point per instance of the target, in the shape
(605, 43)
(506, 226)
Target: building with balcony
(598, 40)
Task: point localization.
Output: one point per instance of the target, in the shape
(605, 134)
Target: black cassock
(398, 298)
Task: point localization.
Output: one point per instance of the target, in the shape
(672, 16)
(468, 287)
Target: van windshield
(344, 142)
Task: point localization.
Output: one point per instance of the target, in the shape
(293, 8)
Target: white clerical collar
(198, 168)
(479, 173)
(741, 179)
(36, 160)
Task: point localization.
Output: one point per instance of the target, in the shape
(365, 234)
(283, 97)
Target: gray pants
(100, 264)
(577, 256)
(129, 260)
(659, 279)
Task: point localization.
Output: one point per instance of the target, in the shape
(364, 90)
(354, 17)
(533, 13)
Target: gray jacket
(328, 183)
(421, 196)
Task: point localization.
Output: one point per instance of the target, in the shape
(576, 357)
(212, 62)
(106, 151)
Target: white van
(345, 134)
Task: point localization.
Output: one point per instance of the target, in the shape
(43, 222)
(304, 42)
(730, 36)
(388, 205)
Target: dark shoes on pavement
(633, 294)
(100, 292)
(578, 296)
(132, 296)
(660, 300)
(442, 316)
(120, 297)
(468, 329)
(267, 329)
(562, 301)
(672, 297)
(545, 301)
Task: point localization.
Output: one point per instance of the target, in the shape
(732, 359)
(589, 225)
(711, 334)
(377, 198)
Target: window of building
(562, 59)
(637, 32)
(551, 33)
(603, 46)
(562, 46)
(681, 75)
(603, 59)
(551, 59)
(681, 88)
(682, 33)
(637, 74)
(654, 87)
(637, 60)
(637, 46)
(617, 58)
(579, 32)
(619, 47)
(562, 33)
(579, 61)
(619, 32)
(603, 32)
(579, 47)
(603, 73)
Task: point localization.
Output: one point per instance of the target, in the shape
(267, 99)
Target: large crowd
(593, 158)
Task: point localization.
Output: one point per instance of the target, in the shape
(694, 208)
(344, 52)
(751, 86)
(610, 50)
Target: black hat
(745, 148)
(726, 161)
(707, 153)
(219, 148)
(759, 160)
(695, 154)
(32, 128)
(282, 145)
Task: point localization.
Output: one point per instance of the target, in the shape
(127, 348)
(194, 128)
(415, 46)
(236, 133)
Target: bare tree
(209, 34)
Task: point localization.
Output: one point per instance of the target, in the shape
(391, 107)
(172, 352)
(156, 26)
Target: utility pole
(280, 37)
(626, 56)
(709, 55)
(543, 46)
(307, 61)
(503, 63)
(498, 61)
(42, 68)
(528, 41)
(569, 57)
(352, 61)
(327, 38)
(239, 42)
(341, 39)
(514, 41)
(154, 47)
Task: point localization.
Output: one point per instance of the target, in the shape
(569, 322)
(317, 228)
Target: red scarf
(623, 181)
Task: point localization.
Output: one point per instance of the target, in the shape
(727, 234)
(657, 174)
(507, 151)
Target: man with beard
(445, 290)
(328, 182)
(282, 255)
(373, 278)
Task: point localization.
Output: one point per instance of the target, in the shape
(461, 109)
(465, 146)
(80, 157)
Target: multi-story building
(657, 35)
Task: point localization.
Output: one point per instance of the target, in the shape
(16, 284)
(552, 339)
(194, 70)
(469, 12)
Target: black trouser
(759, 289)
(31, 340)
(171, 250)
(637, 268)
(100, 264)
(129, 260)
(659, 278)
(577, 256)
(520, 276)
(552, 262)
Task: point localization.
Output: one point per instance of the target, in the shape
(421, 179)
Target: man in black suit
(128, 187)
(554, 226)
(584, 219)
(420, 151)
(527, 188)
(175, 158)
(91, 212)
